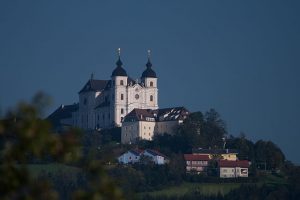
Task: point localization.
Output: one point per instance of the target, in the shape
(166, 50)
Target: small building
(144, 124)
(131, 156)
(156, 156)
(218, 154)
(233, 169)
(134, 156)
(196, 163)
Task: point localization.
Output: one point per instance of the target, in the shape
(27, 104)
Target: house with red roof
(131, 156)
(233, 169)
(196, 163)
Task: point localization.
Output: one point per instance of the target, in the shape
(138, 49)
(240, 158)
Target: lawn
(205, 188)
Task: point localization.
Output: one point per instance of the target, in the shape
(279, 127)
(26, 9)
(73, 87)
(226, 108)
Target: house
(233, 169)
(156, 156)
(218, 154)
(146, 123)
(196, 163)
(131, 156)
(134, 156)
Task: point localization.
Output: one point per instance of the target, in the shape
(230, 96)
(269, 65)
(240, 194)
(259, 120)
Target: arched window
(122, 111)
(151, 97)
(121, 82)
(151, 84)
(122, 96)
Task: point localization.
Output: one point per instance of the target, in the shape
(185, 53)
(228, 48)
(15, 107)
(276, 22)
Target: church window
(122, 96)
(137, 96)
(151, 84)
(121, 82)
(151, 97)
(84, 101)
(122, 111)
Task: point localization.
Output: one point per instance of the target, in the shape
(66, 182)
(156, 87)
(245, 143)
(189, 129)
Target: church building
(106, 103)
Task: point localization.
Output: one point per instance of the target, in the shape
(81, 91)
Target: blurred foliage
(24, 137)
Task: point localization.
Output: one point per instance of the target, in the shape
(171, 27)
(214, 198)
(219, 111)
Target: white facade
(129, 157)
(134, 156)
(105, 103)
(144, 124)
(155, 157)
(233, 172)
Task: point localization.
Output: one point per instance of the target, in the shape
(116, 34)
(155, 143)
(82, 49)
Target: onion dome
(149, 72)
(119, 70)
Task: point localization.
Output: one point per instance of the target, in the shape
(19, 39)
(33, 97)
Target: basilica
(112, 102)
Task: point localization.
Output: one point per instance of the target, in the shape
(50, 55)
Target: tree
(24, 135)
(269, 153)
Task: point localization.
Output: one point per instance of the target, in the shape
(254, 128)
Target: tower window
(85, 101)
(121, 82)
(122, 96)
(122, 111)
(151, 97)
(151, 84)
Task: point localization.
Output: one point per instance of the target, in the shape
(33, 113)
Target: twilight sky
(241, 58)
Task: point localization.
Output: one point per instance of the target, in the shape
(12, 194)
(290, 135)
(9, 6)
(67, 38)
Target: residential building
(196, 163)
(131, 156)
(233, 169)
(219, 154)
(134, 156)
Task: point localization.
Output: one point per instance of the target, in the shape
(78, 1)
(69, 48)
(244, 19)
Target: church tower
(118, 93)
(149, 80)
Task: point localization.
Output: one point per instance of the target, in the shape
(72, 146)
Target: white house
(131, 156)
(156, 156)
(134, 156)
(233, 169)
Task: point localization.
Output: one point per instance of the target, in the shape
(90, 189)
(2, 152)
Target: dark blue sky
(241, 58)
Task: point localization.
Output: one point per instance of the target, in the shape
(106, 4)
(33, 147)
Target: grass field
(204, 188)
(212, 189)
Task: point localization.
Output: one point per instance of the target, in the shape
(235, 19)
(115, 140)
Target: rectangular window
(122, 111)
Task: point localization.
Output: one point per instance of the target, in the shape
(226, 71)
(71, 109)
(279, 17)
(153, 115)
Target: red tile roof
(238, 163)
(194, 157)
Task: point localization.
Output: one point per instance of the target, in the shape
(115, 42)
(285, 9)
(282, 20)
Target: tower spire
(149, 64)
(119, 62)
